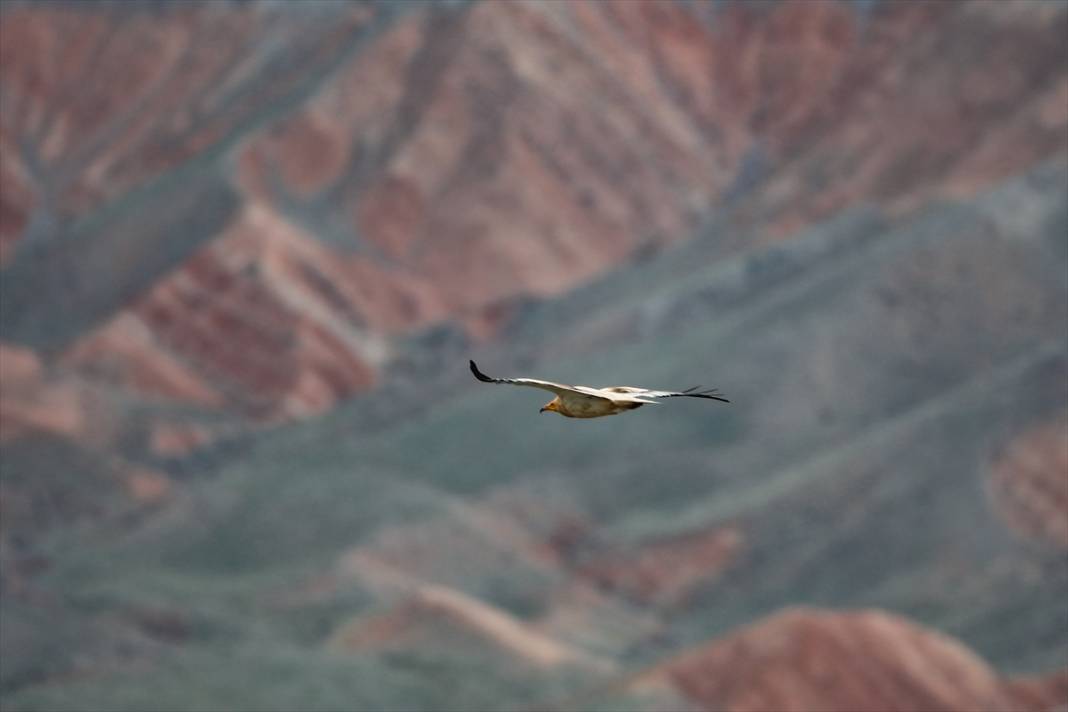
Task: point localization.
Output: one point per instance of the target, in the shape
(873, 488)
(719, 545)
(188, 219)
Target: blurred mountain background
(247, 248)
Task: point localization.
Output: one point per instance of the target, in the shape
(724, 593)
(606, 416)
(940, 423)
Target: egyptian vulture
(586, 402)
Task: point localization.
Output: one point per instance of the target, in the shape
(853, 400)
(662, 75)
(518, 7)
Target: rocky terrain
(856, 662)
(246, 250)
(409, 168)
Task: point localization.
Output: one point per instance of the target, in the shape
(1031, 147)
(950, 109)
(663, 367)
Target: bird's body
(587, 402)
(582, 406)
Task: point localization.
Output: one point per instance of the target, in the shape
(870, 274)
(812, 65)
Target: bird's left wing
(557, 388)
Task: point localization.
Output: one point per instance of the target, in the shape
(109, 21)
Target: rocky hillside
(270, 212)
(869, 661)
(409, 554)
(242, 462)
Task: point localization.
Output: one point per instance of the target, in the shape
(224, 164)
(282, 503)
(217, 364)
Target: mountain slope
(885, 453)
(853, 662)
(243, 463)
(341, 175)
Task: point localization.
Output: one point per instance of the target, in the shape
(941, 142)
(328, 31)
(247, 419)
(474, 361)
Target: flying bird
(587, 402)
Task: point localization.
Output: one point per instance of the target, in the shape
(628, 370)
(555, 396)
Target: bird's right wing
(710, 393)
(645, 395)
(557, 388)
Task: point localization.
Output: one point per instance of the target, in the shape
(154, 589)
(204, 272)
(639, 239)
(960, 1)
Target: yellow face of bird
(551, 405)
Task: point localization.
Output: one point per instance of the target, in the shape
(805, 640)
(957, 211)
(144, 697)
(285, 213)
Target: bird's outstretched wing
(628, 394)
(557, 388)
(695, 392)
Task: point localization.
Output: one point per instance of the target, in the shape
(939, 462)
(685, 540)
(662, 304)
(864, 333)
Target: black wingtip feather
(478, 374)
(711, 395)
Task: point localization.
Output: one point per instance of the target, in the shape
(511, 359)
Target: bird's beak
(542, 410)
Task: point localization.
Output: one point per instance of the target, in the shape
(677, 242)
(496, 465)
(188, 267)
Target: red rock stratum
(868, 661)
(1029, 483)
(393, 171)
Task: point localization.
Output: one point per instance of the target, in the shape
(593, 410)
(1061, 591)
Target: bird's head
(551, 405)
